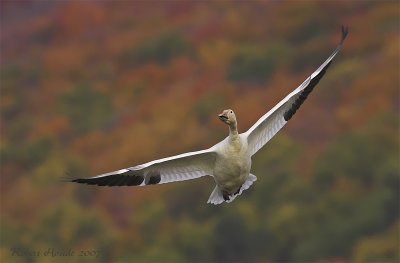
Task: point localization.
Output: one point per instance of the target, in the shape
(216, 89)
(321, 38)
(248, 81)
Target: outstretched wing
(269, 124)
(176, 168)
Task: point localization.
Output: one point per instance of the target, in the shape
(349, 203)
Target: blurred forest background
(90, 87)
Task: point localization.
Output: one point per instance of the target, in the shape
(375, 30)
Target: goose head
(228, 117)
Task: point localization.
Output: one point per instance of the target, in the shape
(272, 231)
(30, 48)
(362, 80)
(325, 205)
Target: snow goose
(229, 161)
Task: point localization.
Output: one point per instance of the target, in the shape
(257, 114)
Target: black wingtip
(345, 31)
(67, 178)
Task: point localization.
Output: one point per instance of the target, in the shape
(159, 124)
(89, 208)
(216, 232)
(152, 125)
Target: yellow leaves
(5, 255)
(168, 105)
(382, 247)
(190, 236)
(216, 53)
(283, 216)
(249, 211)
(391, 50)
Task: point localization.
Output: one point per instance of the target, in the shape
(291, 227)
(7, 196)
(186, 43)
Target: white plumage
(229, 161)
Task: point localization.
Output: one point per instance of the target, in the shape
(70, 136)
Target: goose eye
(231, 112)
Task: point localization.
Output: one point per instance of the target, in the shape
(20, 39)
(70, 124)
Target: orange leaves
(156, 76)
(76, 19)
(57, 125)
(63, 59)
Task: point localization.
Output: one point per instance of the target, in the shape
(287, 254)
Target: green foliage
(230, 239)
(86, 108)
(251, 64)
(62, 226)
(366, 209)
(20, 76)
(347, 159)
(211, 103)
(159, 50)
(382, 247)
(257, 63)
(45, 34)
(328, 183)
(190, 237)
(29, 154)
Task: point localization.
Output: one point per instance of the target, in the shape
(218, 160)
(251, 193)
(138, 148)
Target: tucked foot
(238, 190)
(226, 196)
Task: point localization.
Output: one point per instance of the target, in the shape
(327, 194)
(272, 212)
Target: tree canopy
(92, 87)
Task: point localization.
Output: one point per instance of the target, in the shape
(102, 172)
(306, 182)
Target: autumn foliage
(89, 87)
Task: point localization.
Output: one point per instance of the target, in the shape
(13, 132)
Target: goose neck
(233, 132)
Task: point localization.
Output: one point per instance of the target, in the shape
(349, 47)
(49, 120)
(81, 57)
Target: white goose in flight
(229, 161)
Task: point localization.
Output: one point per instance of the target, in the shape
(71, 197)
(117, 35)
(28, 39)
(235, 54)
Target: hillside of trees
(88, 87)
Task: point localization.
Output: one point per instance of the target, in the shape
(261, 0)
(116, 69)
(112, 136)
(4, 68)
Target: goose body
(229, 161)
(232, 164)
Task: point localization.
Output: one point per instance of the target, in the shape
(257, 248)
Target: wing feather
(176, 168)
(269, 124)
